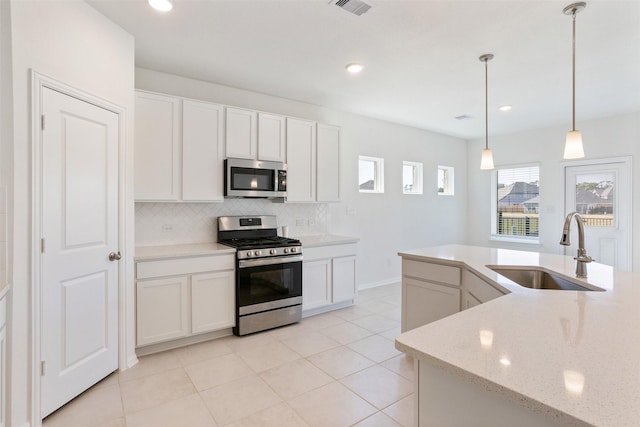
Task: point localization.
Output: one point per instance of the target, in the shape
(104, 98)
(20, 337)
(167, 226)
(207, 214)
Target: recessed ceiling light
(505, 108)
(354, 68)
(161, 5)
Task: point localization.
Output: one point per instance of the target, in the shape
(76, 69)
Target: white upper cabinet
(241, 135)
(328, 163)
(178, 149)
(157, 147)
(301, 160)
(271, 137)
(202, 151)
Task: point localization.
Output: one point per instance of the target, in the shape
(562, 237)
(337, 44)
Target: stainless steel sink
(539, 278)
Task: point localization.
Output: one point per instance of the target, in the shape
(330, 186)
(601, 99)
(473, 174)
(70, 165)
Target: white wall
(71, 42)
(385, 223)
(607, 137)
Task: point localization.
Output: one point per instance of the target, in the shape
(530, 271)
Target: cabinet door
(271, 137)
(301, 160)
(328, 163)
(241, 134)
(344, 278)
(316, 283)
(468, 300)
(157, 147)
(202, 151)
(425, 302)
(212, 301)
(162, 309)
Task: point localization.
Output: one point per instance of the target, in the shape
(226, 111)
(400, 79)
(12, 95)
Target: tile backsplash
(180, 223)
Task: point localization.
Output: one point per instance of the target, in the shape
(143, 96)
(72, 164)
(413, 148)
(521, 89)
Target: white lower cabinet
(431, 291)
(426, 302)
(329, 275)
(181, 297)
(162, 309)
(344, 278)
(212, 301)
(316, 283)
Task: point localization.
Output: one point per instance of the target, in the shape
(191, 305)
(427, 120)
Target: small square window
(445, 181)
(411, 177)
(371, 175)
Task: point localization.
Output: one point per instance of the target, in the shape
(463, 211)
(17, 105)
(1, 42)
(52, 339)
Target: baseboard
(182, 342)
(370, 285)
(131, 362)
(327, 308)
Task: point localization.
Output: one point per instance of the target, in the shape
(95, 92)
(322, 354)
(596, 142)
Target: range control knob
(272, 251)
(294, 250)
(286, 250)
(249, 254)
(258, 253)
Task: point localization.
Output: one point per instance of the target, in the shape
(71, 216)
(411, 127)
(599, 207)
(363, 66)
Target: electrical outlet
(351, 210)
(312, 222)
(300, 222)
(167, 227)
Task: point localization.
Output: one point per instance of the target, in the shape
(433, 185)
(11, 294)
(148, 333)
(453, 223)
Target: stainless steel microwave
(255, 178)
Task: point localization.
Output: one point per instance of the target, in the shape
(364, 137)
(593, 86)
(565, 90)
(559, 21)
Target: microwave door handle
(246, 263)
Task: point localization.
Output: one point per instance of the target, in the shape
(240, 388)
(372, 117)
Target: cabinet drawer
(189, 265)
(480, 289)
(431, 272)
(332, 251)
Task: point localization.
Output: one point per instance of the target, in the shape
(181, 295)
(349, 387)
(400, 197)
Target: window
(445, 181)
(517, 203)
(411, 177)
(371, 174)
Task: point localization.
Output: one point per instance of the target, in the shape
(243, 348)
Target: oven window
(269, 283)
(252, 179)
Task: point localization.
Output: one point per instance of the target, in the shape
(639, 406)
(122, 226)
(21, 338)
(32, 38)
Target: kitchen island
(530, 357)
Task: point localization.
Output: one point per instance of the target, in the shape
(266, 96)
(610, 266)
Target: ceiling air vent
(356, 7)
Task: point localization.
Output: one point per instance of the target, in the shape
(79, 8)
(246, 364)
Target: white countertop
(145, 253)
(574, 355)
(325, 240)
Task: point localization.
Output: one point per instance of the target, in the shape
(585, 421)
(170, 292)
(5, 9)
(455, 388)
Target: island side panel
(444, 399)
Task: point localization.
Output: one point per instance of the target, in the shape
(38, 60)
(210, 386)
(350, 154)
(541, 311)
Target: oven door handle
(246, 263)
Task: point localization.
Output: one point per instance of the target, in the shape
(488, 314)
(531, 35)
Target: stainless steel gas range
(268, 273)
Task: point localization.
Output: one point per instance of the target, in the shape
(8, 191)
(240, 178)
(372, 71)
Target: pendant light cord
(486, 105)
(573, 74)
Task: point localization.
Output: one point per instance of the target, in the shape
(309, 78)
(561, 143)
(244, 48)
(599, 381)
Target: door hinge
(42, 366)
(42, 121)
(42, 245)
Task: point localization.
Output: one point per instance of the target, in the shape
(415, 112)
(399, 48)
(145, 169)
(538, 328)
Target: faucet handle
(583, 258)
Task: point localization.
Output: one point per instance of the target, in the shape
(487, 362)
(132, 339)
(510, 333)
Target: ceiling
(420, 57)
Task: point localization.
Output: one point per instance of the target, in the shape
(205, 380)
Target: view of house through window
(371, 174)
(518, 202)
(411, 177)
(445, 180)
(595, 197)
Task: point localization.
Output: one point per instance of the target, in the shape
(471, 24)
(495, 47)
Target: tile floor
(334, 369)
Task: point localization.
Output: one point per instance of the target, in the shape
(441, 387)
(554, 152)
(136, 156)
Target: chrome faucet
(582, 259)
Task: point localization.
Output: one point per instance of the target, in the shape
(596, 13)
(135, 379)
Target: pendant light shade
(573, 144)
(486, 163)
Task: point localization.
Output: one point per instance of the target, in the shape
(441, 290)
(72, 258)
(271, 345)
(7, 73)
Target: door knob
(113, 256)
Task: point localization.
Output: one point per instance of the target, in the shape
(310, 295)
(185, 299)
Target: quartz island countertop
(572, 355)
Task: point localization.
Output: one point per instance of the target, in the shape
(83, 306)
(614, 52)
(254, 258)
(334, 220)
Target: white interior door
(601, 193)
(79, 330)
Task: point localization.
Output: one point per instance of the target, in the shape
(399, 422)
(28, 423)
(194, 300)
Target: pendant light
(486, 162)
(573, 145)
